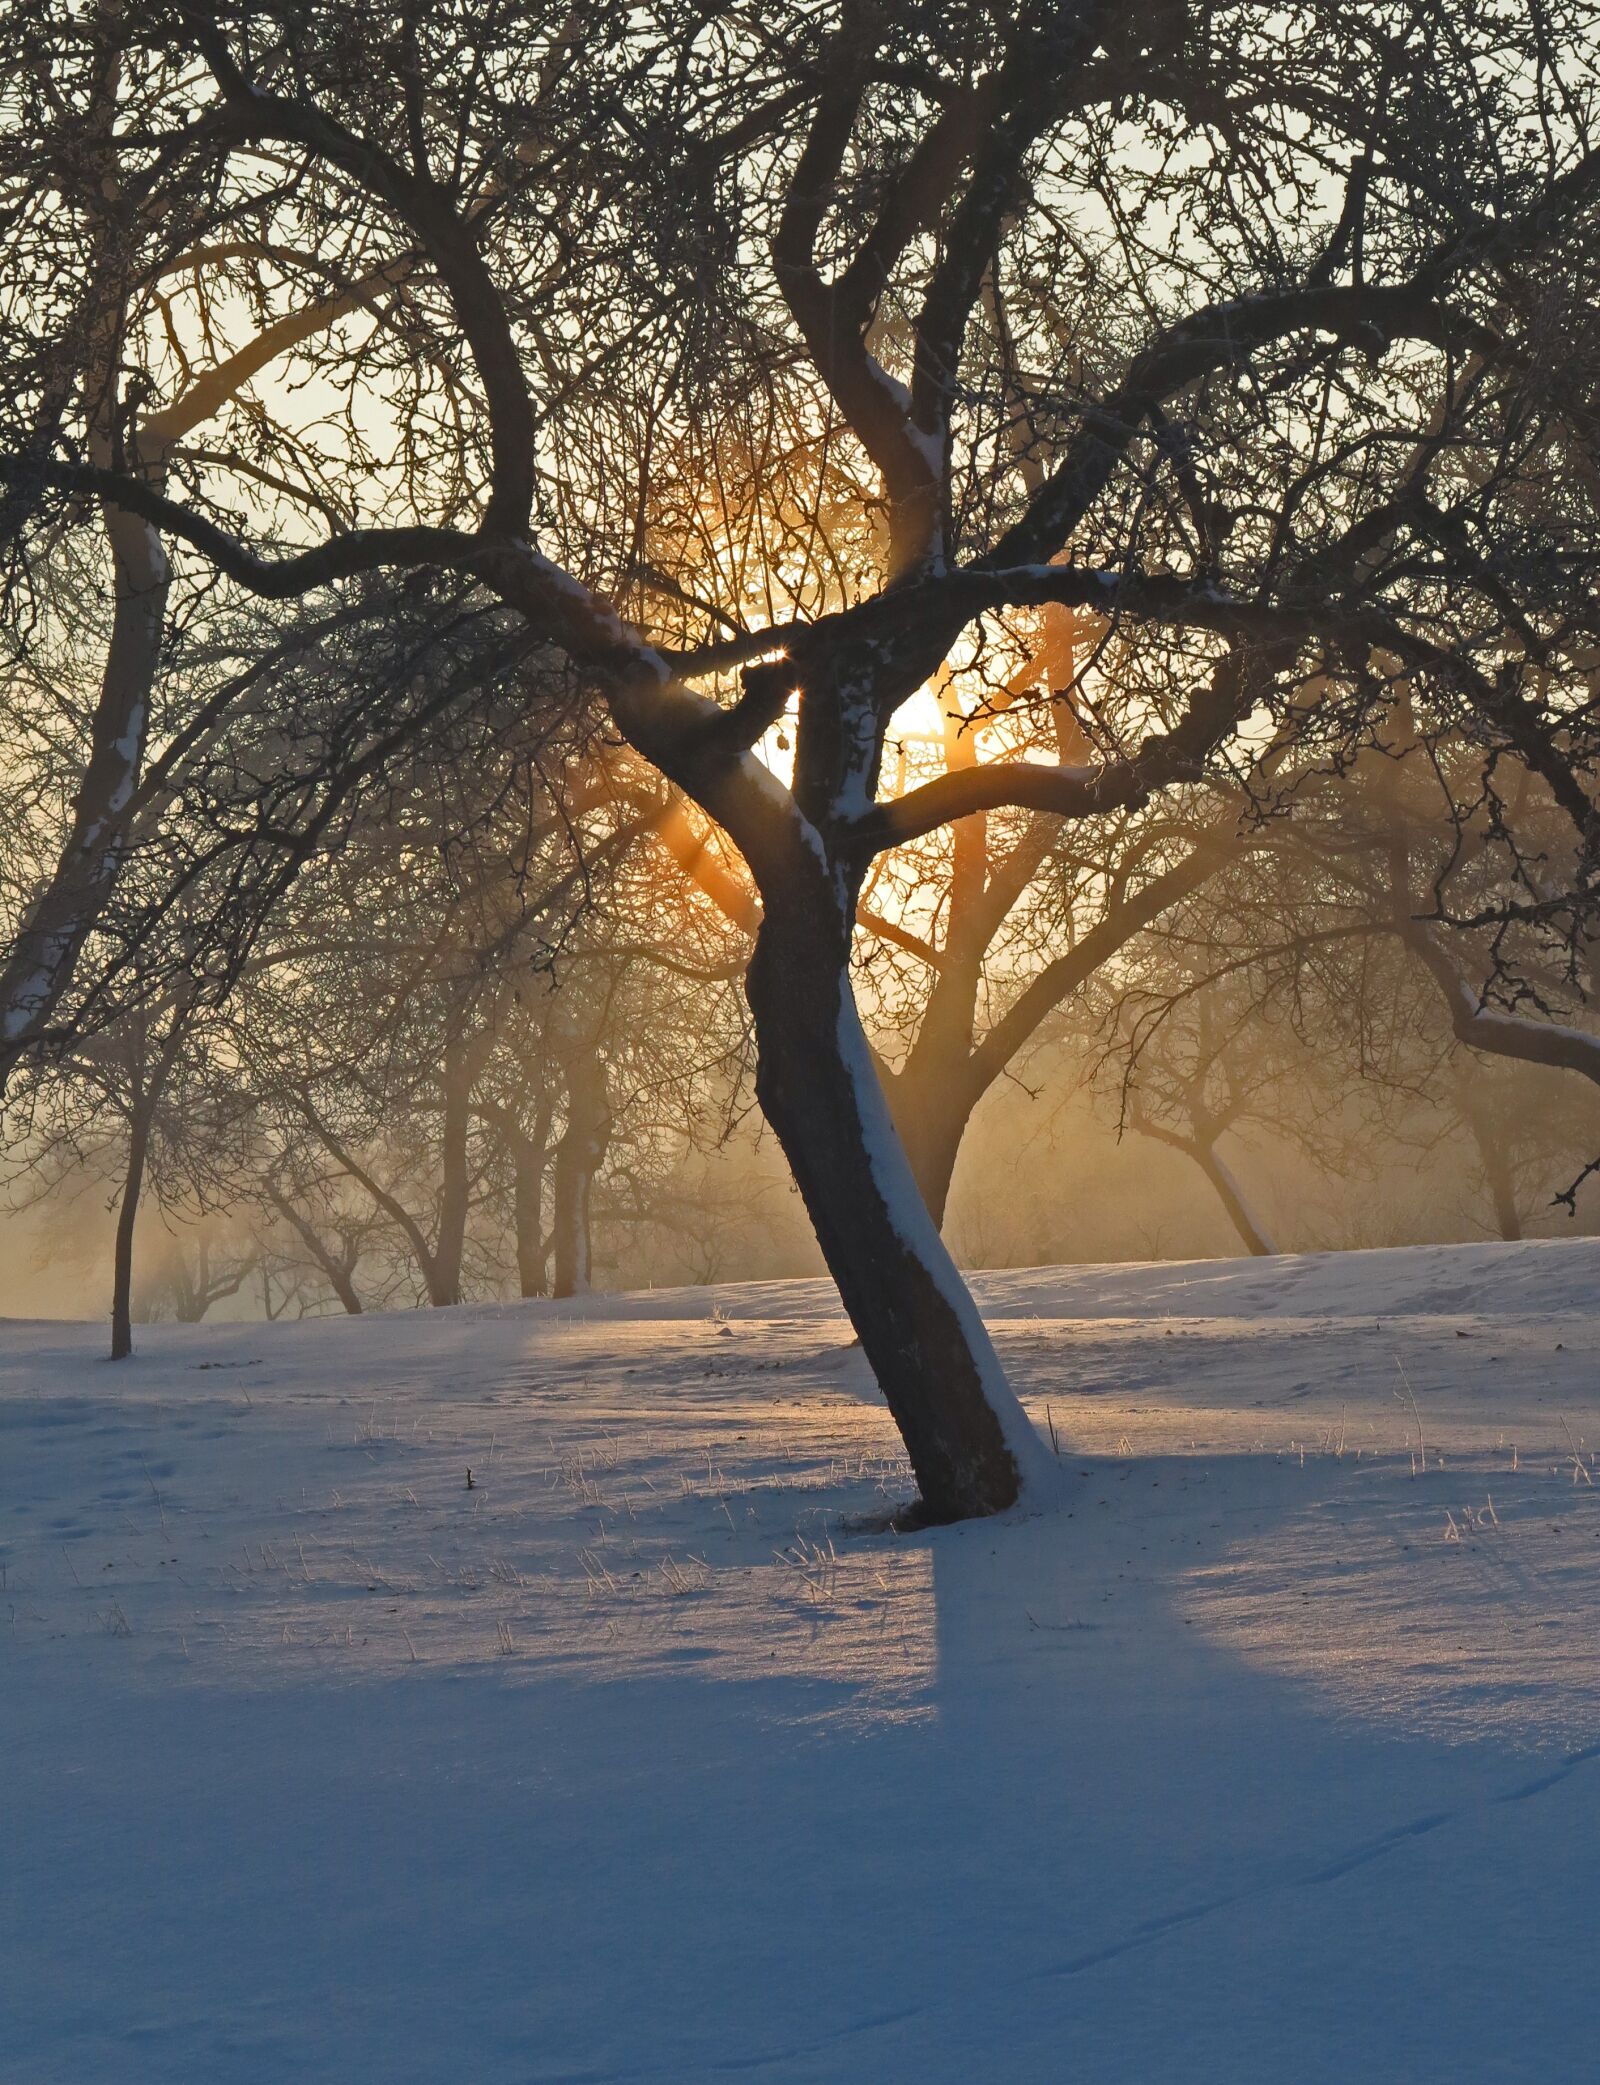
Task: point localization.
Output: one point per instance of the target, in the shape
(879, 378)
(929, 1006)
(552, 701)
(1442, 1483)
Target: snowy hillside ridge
(651, 1751)
(1527, 1277)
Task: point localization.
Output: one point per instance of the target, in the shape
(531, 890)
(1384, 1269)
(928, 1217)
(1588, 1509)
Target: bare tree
(1246, 279)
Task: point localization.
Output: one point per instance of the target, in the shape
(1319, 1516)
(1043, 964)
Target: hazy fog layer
(1041, 1181)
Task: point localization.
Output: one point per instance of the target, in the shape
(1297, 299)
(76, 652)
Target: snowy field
(1273, 1754)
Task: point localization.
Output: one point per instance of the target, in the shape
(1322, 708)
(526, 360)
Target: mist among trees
(650, 647)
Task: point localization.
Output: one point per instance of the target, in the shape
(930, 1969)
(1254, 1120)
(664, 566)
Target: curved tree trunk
(947, 1073)
(934, 1095)
(1517, 1036)
(341, 1281)
(1231, 1196)
(37, 968)
(971, 1446)
(42, 957)
(932, 1121)
(1203, 1150)
(339, 1272)
(436, 1283)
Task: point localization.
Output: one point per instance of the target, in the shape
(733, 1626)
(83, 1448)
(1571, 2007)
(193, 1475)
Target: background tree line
(566, 568)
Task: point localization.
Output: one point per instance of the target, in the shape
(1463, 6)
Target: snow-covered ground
(656, 1754)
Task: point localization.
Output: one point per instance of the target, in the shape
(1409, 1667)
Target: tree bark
(1203, 1150)
(1231, 1196)
(127, 1216)
(1495, 1160)
(338, 1273)
(442, 1268)
(947, 1073)
(341, 1281)
(932, 1122)
(38, 966)
(390, 1204)
(578, 1156)
(1525, 1040)
(528, 1168)
(149, 1083)
(971, 1446)
(44, 954)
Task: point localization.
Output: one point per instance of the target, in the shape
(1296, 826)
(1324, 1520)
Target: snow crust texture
(1273, 1753)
